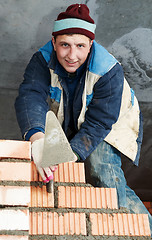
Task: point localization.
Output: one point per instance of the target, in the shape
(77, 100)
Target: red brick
(70, 172)
(120, 224)
(95, 224)
(141, 224)
(125, 224)
(57, 224)
(33, 223)
(15, 149)
(15, 195)
(148, 205)
(34, 173)
(15, 171)
(80, 197)
(41, 198)
(150, 210)
(40, 222)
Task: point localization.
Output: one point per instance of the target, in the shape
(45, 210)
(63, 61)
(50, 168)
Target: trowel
(56, 147)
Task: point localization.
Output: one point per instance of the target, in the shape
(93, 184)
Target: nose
(72, 53)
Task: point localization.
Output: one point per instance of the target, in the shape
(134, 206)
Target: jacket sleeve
(31, 104)
(103, 112)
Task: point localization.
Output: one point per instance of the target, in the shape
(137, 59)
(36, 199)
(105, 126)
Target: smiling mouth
(71, 63)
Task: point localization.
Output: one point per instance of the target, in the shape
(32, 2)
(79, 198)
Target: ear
(91, 42)
(54, 43)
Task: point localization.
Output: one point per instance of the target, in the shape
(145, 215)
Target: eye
(64, 44)
(80, 45)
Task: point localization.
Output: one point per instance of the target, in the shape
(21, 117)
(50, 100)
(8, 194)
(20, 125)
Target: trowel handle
(49, 186)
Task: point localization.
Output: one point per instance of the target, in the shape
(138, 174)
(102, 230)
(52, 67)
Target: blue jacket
(105, 103)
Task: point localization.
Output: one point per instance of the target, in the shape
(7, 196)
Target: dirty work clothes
(104, 107)
(103, 169)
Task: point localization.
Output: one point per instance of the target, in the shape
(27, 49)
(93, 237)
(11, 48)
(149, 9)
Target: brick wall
(75, 210)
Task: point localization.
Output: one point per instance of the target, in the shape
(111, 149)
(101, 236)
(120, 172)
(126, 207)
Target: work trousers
(103, 169)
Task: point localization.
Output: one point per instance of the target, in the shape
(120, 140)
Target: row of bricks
(70, 223)
(36, 218)
(15, 149)
(68, 197)
(67, 172)
(14, 173)
(120, 224)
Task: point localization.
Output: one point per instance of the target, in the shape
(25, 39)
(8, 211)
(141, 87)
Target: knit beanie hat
(75, 19)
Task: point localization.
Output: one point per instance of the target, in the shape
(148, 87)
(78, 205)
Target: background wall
(123, 27)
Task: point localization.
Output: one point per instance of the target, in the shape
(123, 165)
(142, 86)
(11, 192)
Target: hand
(37, 150)
(46, 173)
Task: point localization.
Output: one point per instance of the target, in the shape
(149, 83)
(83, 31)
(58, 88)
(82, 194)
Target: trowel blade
(56, 146)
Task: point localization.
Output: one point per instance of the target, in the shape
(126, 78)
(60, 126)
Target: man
(92, 100)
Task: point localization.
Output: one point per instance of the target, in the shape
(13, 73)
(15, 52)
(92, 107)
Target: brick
(120, 224)
(98, 199)
(15, 149)
(110, 225)
(13, 237)
(40, 221)
(15, 171)
(57, 224)
(88, 197)
(15, 195)
(66, 172)
(34, 173)
(130, 223)
(50, 223)
(115, 224)
(148, 205)
(150, 210)
(11, 219)
(70, 172)
(99, 226)
(146, 224)
(125, 224)
(33, 223)
(62, 197)
(141, 224)
(94, 224)
(41, 198)
(45, 223)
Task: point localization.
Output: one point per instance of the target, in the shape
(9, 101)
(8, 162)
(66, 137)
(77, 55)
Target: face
(71, 50)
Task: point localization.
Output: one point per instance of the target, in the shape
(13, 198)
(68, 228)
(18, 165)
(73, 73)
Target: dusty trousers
(103, 169)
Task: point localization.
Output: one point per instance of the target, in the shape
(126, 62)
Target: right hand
(37, 141)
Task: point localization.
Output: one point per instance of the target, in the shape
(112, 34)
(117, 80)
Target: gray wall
(124, 27)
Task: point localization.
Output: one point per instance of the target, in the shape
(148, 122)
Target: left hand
(37, 149)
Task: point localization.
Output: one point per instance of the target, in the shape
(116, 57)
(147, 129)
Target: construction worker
(84, 85)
